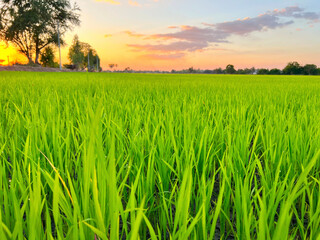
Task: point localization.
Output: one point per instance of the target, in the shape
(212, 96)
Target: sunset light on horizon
(167, 34)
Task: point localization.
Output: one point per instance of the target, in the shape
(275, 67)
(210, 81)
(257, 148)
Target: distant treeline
(293, 68)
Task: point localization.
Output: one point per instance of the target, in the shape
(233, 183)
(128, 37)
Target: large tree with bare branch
(31, 25)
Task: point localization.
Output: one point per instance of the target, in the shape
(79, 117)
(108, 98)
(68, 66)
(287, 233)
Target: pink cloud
(163, 56)
(198, 39)
(169, 48)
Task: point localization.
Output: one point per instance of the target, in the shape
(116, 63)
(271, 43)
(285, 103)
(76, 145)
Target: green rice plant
(147, 156)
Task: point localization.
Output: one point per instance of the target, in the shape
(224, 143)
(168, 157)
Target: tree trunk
(37, 57)
(29, 56)
(36, 60)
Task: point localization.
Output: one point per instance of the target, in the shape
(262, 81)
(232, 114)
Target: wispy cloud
(195, 34)
(134, 3)
(113, 2)
(132, 34)
(108, 35)
(269, 20)
(169, 48)
(163, 56)
(173, 27)
(194, 39)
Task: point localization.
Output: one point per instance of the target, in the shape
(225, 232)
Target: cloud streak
(112, 2)
(134, 3)
(132, 34)
(169, 48)
(129, 2)
(163, 56)
(192, 38)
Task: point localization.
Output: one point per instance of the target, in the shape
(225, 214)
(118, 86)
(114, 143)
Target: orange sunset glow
(10, 53)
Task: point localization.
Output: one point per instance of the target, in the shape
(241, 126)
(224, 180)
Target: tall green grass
(133, 156)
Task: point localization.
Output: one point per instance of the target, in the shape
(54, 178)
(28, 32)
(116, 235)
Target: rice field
(138, 156)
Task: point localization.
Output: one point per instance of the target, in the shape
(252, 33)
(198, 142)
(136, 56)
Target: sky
(206, 34)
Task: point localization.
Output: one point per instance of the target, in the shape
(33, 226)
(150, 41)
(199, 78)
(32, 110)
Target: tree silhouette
(230, 69)
(31, 25)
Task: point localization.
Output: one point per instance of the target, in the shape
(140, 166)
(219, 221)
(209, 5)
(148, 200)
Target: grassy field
(129, 156)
